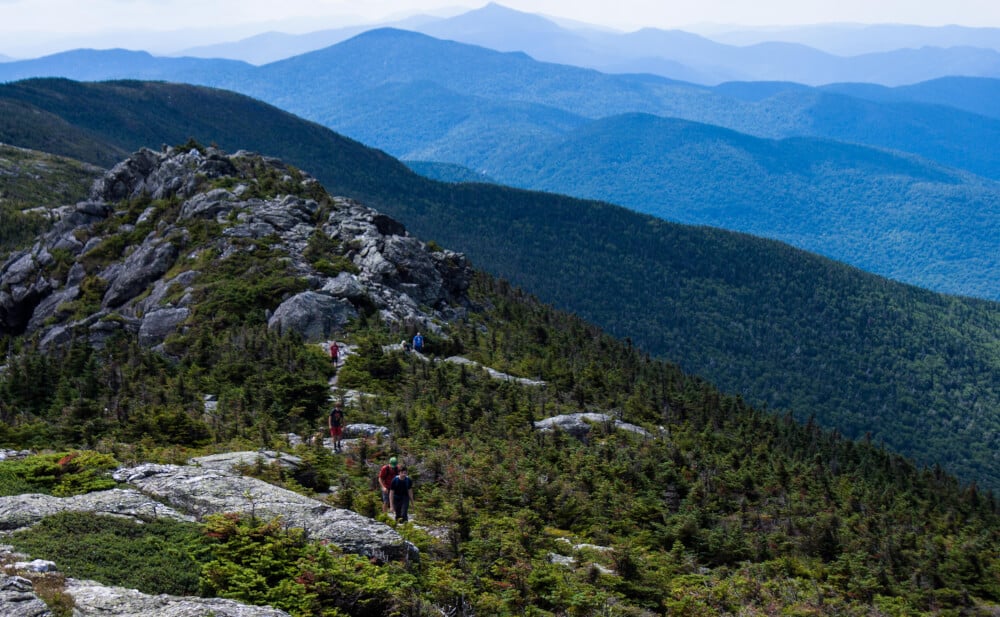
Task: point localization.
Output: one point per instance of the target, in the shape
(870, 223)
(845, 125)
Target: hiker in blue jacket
(418, 342)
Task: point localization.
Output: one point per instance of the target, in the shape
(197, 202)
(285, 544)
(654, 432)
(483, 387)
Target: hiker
(418, 342)
(336, 426)
(385, 477)
(335, 353)
(401, 494)
(406, 345)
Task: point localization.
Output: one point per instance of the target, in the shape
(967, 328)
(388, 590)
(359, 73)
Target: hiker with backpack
(335, 353)
(385, 477)
(401, 495)
(336, 422)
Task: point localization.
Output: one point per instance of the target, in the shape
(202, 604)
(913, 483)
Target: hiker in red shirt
(385, 478)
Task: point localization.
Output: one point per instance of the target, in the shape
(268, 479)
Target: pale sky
(24, 23)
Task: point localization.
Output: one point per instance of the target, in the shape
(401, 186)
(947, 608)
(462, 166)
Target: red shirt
(386, 475)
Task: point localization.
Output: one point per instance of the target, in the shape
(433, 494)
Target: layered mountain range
(184, 302)
(897, 194)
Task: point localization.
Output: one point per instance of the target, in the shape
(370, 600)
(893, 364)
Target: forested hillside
(887, 213)
(801, 334)
(705, 505)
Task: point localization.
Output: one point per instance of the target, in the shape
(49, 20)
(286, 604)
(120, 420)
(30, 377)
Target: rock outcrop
(199, 491)
(493, 373)
(579, 425)
(18, 599)
(19, 511)
(106, 268)
(93, 599)
(90, 599)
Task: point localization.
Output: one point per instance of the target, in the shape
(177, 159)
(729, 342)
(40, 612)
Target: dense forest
(716, 507)
(786, 330)
(721, 509)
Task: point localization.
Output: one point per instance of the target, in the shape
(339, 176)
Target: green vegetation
(785, 329)
(61, 474)
(265, 563)
(30, 179)
(325, 255)
(721, 509)
(153, 556)
(18, 228)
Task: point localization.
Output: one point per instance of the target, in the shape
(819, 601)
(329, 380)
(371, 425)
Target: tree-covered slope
(124, 116)
(699, 504)
(974, 94)
(888, 213)
(29, 178)
(860, 353)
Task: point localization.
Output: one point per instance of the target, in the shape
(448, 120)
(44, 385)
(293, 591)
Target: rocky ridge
(132, 258)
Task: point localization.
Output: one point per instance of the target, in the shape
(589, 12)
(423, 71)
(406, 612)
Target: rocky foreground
(188, 493)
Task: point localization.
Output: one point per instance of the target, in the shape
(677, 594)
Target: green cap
(392, 461)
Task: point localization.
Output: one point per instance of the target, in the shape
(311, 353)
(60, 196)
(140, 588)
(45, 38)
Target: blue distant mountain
(99, 65)
(972, 94)
(334, 85)
(886, 54)
(683, 55)
(846, 39)
(271, 46)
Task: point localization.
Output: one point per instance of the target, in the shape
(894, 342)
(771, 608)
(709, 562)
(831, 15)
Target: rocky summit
(152, 241)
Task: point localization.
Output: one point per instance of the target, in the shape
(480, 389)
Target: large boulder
(146, 264)
(201, 491)
(580, 424)
(20, 511)
(315, 316)
(495, 374)
(157, 324)
(95, 600)
(234, 460)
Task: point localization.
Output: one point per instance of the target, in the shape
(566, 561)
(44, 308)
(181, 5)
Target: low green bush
(156, 556)
(60, 473)
(265, 563)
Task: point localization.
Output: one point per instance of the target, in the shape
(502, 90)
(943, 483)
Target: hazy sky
(93, 15)
(36, 23)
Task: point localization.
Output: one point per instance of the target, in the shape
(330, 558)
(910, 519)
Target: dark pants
(401, 504)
